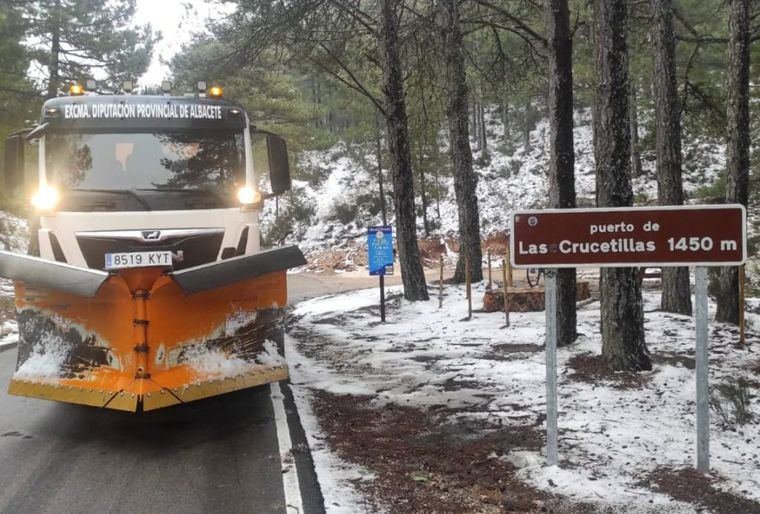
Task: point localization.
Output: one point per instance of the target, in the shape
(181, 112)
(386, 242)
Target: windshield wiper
(127, 192)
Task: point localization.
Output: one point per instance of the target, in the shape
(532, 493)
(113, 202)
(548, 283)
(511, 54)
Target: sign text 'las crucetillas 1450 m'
(637, 236)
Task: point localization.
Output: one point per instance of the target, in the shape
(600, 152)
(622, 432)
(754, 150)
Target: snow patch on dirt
(14, 237)
(8, 333)
(336, 477)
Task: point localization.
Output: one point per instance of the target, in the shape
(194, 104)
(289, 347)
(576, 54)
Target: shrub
(731, 401)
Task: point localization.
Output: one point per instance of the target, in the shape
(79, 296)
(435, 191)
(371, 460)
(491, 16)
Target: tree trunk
(482, 130)
(527, 126)
(636, 170)
(676, 290)
(397, 133)
(622, 310)
(423, 193)
(437, 175)
(473, 127)
(562, 151)
(737, 153)
(54, 79)
(505, 121)
(465, 179)
(379, 154)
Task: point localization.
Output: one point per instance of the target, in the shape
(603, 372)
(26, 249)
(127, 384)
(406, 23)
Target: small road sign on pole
(380, 257)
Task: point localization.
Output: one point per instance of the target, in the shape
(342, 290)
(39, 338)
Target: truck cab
(131, 173)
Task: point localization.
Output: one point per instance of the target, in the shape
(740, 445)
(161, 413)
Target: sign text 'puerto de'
(640, 236)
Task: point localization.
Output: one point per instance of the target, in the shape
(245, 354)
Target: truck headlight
(45, 199)
(248, 195)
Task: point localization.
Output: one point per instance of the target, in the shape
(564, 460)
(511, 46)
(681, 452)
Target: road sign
(701, 235)
(380, 250)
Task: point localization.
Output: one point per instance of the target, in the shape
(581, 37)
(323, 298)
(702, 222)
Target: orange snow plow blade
(148, 340)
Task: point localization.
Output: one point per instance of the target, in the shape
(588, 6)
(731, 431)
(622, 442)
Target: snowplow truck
(145, 285)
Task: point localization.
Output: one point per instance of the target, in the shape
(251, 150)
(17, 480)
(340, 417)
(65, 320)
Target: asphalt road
(214, 455)
(218, 455)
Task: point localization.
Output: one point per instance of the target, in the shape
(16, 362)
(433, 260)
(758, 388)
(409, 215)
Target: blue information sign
(380, 250)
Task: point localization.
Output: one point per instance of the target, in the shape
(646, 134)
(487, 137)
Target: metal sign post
(382, 298)
(380, 258)
(506, 289)
(741, 305)
(703, 385)
(550, 296)
(697, 235)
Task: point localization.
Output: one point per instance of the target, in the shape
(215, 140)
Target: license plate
(138, 259)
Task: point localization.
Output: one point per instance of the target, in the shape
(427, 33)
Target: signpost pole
(506, 291)
(382, 298)
(550, 297)
(741, 304)
(703, 387)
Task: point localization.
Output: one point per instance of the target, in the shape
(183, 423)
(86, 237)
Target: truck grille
(197, 246)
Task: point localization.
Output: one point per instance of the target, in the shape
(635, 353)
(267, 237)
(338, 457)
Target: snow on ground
(611, 437)
(14, 235)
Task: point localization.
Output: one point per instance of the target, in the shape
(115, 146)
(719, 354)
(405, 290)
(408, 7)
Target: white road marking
(290, 485)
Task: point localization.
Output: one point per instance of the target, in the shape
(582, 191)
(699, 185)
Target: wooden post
(506, 290)
(489, 269)
(469, 285)
(440, 284)
(741, 304)
(509, 270)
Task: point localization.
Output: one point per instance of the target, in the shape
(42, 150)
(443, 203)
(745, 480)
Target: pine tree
(79, 39)
(17, 92)
(397, 131)
(19, 99)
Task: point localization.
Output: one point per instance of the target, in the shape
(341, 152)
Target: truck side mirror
(279, 168)
(13, 167)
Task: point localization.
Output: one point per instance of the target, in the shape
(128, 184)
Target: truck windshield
(187, 160)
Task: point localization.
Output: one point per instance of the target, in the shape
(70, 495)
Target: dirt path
(302, 286)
